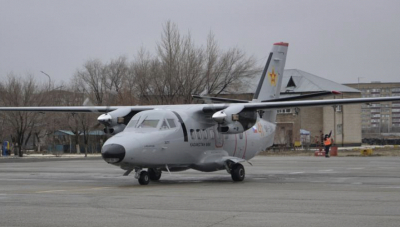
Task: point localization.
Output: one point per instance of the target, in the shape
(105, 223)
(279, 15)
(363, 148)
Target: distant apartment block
(379, 117)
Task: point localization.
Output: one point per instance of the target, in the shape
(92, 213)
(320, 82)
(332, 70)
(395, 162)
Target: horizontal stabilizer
(313, 95)
(216, 99)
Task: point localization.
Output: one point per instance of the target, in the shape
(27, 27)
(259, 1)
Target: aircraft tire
(238, 172)
(154, 175)
(144, 178)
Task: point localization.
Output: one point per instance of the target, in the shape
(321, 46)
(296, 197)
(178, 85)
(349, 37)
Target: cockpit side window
(133, 123)
(171, 123)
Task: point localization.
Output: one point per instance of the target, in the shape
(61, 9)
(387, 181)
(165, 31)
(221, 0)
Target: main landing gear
(154, 174)
(237, 172)
(144, 176)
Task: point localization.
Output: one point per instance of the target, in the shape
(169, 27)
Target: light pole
(358, 79)
(48, 77)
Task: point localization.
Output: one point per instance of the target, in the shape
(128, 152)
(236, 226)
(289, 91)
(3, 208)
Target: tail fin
(271, 79)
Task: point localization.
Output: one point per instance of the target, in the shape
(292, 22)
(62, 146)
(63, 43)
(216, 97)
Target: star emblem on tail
(272, 77)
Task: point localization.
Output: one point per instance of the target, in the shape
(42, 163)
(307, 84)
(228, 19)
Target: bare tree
(21, 92)
(179, 69)
(115, 75)
(92, 79)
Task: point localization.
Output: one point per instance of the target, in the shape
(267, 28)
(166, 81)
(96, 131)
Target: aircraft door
(241, 143)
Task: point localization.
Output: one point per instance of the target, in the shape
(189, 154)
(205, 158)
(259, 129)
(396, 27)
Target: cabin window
(205, 134)
(211, 134)
(192, 134)
(198, 134)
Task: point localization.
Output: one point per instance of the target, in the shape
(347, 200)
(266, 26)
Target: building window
(284, 111)
(338, 108)
(339, 129)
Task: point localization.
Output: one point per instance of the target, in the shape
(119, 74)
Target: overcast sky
(338, 40)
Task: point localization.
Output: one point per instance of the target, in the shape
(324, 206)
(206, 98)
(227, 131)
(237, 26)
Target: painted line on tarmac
(72, 190)
(50, 191)
(325, 170)
(356, 168)
(397, 187)
(296, 173)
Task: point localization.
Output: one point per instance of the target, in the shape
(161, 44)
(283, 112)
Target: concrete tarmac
(277, 191)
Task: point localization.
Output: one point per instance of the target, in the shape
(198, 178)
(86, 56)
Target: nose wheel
(237, 172)
(143, 177)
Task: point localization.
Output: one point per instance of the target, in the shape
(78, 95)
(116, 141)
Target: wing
(326, 102)
(75, 109)
(289, 104)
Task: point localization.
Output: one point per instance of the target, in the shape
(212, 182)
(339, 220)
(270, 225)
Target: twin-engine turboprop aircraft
(203, 137)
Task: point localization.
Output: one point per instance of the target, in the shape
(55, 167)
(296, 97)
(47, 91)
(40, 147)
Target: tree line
(178, 69)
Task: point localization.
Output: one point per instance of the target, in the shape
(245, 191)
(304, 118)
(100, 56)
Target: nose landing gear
(142, 176)
(237, 172)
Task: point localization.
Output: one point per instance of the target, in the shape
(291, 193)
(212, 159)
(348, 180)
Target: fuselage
(183, 137)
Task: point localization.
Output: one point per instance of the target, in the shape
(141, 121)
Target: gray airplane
(204, 137)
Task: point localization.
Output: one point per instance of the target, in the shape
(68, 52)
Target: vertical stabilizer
(271, 79)
(270, 83)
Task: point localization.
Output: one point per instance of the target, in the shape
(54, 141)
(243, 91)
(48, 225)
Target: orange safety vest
(327, 142)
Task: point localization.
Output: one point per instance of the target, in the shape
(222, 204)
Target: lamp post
(358, 85)
(48, 77)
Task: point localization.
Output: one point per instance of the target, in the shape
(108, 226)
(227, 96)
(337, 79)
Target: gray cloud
(339, 40)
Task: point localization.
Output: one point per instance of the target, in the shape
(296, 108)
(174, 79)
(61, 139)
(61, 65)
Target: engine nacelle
(114, 130)
(115, 120)
(234, 120)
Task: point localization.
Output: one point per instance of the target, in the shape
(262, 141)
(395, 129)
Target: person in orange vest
(327, 144)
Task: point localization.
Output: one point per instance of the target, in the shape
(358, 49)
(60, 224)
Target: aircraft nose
(113, 153)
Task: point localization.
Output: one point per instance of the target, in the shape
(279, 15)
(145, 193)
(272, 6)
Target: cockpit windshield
(152, 120)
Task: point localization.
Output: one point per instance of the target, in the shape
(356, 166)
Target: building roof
(298, 81)
(70, 133)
